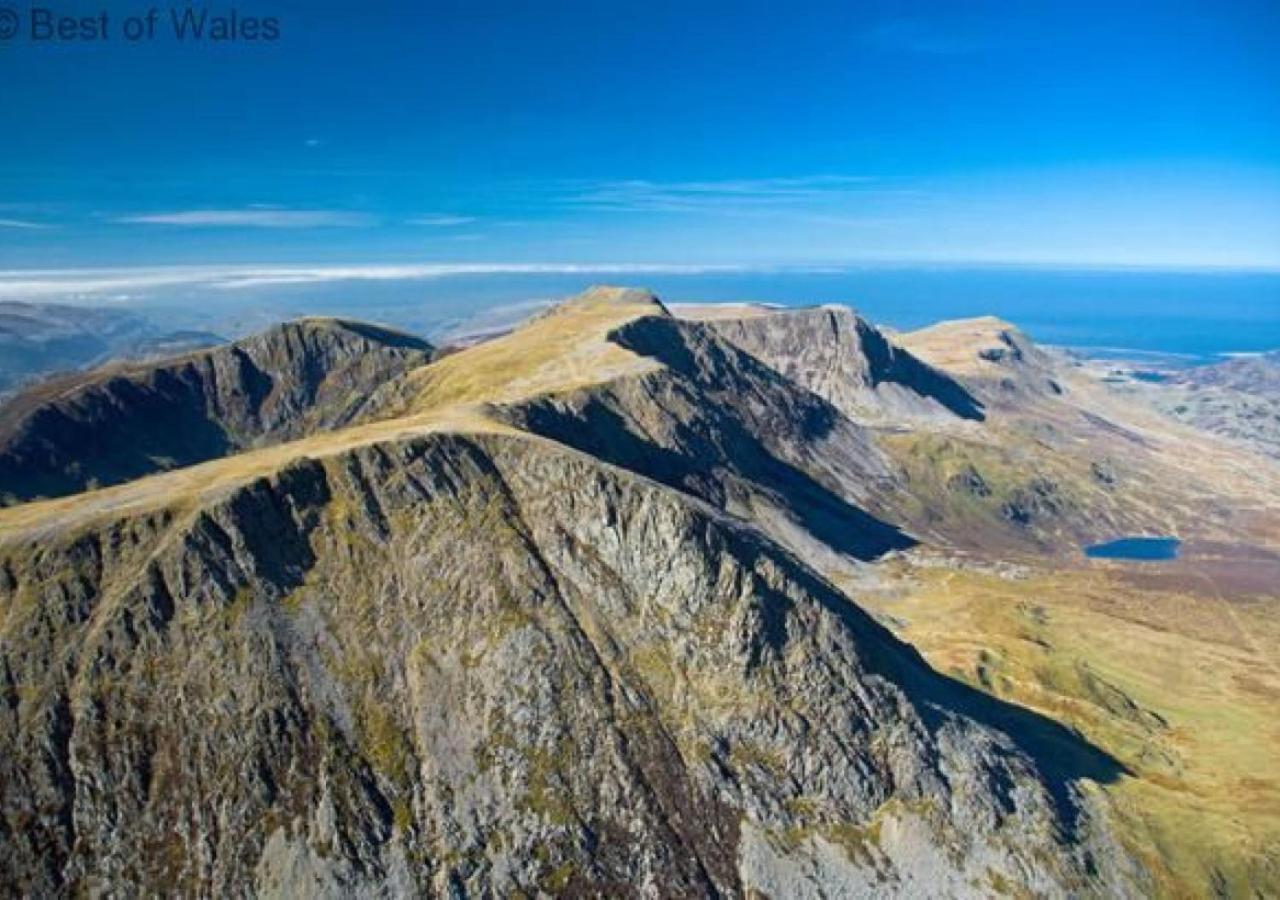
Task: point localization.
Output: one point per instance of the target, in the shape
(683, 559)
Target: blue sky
(746, 133)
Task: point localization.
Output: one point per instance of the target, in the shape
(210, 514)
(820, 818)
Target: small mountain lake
(1145, 549)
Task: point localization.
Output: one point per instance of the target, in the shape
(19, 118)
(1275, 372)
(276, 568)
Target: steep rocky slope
(544, 630)
(125, 421)
(715, 422)
(580, 610)
(844, 359)
(481, 665)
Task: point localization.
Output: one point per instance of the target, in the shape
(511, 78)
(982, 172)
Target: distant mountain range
(1238, 398)
(38, 339)
(616, 604)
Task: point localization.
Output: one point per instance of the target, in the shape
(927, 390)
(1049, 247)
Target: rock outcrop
(478, 666)
(122, 422)
(847, 361)
(561, 626)
(1238, 399)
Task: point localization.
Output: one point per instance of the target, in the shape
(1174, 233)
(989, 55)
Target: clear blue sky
(771, 133)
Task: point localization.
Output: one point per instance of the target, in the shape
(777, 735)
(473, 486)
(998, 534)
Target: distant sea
(1183, 313)
(1193, 314)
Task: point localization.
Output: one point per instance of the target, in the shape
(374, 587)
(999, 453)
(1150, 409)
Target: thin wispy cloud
(97, 283)
(252, 217)
(441, 221)
(724, 196)
(23, 224)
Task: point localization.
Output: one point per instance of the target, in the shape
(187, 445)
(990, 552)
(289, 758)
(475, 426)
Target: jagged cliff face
(846, 360)
(111, 426)
(556, 613)
(487, 665)
(718, 424)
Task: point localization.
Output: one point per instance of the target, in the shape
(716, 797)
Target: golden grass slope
(563, 349)
(1179, 684)
(1177, 674)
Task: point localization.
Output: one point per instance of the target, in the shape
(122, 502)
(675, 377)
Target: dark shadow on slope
(1061, 755)
(121, 431)
(387, 337)
(887, 363)
(720, 447)
(124, 422)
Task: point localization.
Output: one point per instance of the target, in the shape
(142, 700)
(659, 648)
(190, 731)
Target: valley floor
(1172, 669)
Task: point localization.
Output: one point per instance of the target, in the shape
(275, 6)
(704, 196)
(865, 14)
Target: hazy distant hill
(38, 339)
(1238, 398)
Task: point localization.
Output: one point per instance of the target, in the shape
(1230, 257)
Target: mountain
(1002, 364)
(844, 359)
(38, 338)
(612, 605)
(352, 633)
(127, 420)
(1238, 398)
(354, 638)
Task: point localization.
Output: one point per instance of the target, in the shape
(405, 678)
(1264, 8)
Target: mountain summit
(573, 611)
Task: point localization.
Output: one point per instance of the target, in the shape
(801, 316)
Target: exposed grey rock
(1238, 398)
(126, 421)
(476, 667)
(717, 423)
(595, 658)
(846, 360)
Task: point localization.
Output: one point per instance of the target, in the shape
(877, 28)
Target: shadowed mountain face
(490, 664)
(558, 613)
(120, 423)
(847, 361)
(718, 424)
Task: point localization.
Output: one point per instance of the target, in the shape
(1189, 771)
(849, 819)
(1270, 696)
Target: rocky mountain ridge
(573, 611)
(125, 421)
(846, 360)
(709, 716)
(351, 636)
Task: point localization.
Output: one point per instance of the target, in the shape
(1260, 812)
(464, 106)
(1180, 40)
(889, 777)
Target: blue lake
(1144, 549)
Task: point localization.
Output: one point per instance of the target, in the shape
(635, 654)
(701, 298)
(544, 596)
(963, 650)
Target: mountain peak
(124, 421)
(615, 295)
(370, 331)
(966, 344)
(843, 358)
